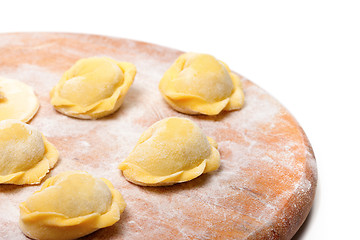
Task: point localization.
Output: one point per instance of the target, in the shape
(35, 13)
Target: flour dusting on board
(265, 159)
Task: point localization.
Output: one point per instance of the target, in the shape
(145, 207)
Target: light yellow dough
(17, 100)
(69, 206)
(201, 84)
(93, 87)
(25, 154)
(173, 150)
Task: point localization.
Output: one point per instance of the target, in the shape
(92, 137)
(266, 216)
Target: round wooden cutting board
(263, 189)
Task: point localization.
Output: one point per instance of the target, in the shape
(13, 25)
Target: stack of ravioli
(173, 150)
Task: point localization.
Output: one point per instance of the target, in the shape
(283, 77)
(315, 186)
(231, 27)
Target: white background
(305, 53)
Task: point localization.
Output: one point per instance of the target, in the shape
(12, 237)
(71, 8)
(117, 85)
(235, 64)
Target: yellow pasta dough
(93, 87)
(17, 100)
(171, 151)
(70, 205)
(25, 154)
(201, 84)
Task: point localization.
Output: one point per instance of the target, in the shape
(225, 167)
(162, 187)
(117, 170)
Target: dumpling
(201, 84)
(173, 150)
(17, 100)
(93, 87)
(70, 205)
(25, 154)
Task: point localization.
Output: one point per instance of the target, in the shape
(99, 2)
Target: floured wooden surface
(264, 187)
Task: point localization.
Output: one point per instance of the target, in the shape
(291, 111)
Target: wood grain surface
(264, 188)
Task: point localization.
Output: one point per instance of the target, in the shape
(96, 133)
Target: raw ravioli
(70, 205)
(93, 87)
(17, 100)
(201, 84)
(171, 151)
(25, 154)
